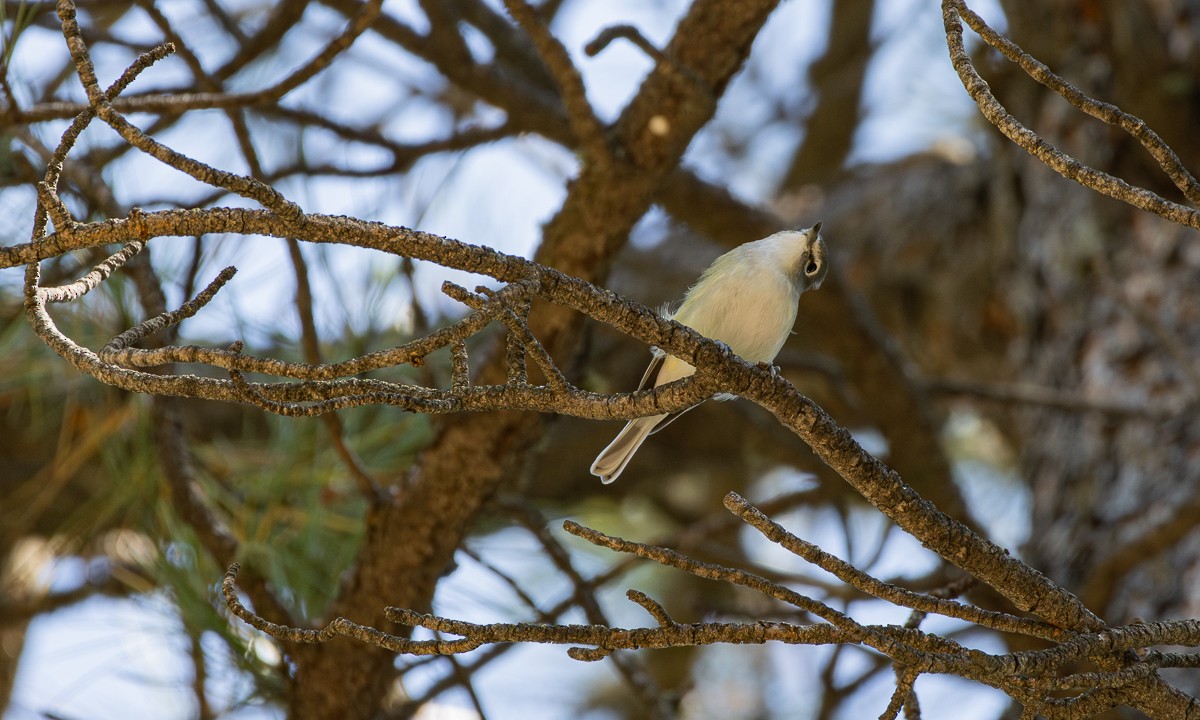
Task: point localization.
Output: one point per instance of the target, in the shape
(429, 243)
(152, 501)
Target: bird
(746, 299)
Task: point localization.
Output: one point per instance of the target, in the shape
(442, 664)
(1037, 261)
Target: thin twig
(1106, 112)
(900, 696)
(906, 598)
(643, 684)
(652, 606)
(93, 279)
(172, 317)
(102, 104)
(660, 58)
(1032, 143)
(1030, 394)
(582, 118)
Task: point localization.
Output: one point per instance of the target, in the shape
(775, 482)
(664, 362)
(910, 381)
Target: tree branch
(1031, 142)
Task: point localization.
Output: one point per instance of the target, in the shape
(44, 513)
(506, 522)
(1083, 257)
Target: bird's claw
(773, 368)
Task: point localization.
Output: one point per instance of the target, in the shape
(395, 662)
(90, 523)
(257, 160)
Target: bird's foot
(772, 367)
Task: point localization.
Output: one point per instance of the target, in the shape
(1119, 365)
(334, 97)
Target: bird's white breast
(746, 300)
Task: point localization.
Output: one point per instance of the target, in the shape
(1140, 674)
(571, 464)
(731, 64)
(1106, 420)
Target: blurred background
(1022, 350)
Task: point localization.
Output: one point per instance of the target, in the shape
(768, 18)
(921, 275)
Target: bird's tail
(612, 460)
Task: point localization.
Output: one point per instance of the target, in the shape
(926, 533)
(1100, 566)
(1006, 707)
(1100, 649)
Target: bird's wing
(648, 381)
(652, 369)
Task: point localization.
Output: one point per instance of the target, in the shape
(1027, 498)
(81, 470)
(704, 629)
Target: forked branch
(1034, 678)
(955, 11)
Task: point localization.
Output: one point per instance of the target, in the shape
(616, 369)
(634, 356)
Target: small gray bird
(746, 299)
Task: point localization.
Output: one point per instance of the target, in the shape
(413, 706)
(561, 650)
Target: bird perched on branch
(747, 299)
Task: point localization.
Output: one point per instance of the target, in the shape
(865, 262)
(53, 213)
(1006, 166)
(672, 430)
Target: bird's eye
(811, 268)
